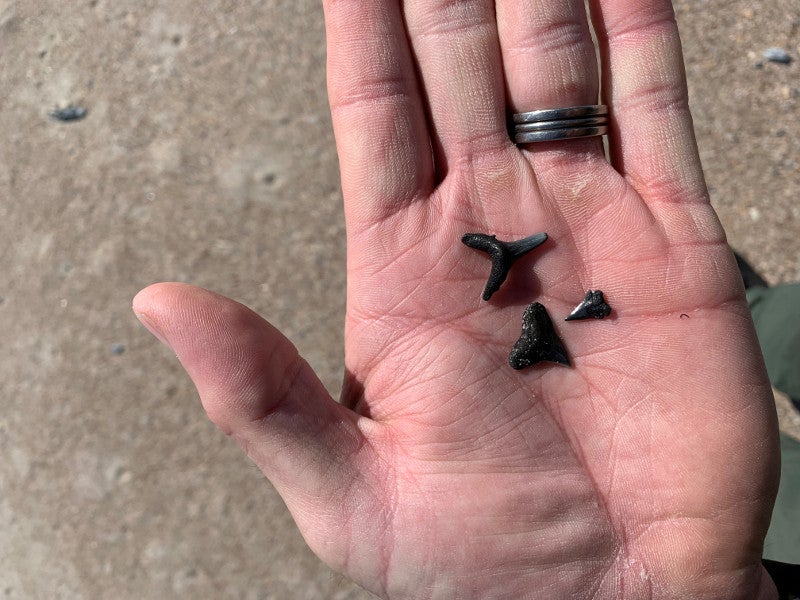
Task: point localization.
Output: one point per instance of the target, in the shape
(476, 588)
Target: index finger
(652, 138)
(378, 116)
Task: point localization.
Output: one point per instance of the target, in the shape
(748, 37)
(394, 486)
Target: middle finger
(458, 57)
(549, 57)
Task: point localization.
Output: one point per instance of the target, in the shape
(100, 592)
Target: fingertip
(229, 351)
(147, 305)
(169, 310)
(157, 296)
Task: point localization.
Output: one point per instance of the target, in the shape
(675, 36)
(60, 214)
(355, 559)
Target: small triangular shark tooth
(538, 341)
(593, 307)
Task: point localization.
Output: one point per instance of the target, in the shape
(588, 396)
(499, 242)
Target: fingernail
(153, 328)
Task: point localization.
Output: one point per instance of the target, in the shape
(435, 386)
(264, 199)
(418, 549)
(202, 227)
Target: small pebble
(69, 113)
(777, 55)
(117, 349)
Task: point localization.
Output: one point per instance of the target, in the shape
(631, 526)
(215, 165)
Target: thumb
(256, 388)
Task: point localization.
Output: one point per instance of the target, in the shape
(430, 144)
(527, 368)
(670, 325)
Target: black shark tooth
(538, 342)
(593, 307)
(503, 254)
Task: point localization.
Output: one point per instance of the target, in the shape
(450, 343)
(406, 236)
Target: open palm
(647, 468)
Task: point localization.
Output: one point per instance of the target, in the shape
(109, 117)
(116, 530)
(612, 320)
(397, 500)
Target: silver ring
(561, 124)
(550, 135)
(558, 114)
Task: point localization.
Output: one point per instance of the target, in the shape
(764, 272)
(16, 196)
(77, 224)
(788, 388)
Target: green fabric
(776, 313)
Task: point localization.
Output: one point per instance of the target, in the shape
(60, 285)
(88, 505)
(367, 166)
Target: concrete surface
(207, 156)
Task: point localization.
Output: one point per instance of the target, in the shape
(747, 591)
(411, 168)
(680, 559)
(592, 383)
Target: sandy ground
(207, 156)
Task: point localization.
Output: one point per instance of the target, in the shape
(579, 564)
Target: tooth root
(497, 275)
(538, 341)
(593, 307)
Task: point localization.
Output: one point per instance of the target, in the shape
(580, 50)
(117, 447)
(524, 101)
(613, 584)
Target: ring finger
(548, 58)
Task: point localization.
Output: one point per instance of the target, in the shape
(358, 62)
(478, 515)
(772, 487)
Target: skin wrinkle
(387, 235)
(444, 412)
(624, 379)
(410, 386)
(593, 361)
(506, 428)
(292, 373)
(553, 165)
(565, 34)
(384, 206)
(478, 146)
(452, 267)
(444, 29)
(533, 416)
(659, 191)
(347, 561)
(662, 97)
(624, 550)
(449, 11)
(613, 459)
(388, 520)
(457, 416)
(640, 23)
(378, 90)
(634, 232)
(376, 379)
(559, 562)
(397, 299)
(396, 323)
(423, 405)
(349, 450)
(493, 165)
(424, 240)
(332, 487)
(683, 228)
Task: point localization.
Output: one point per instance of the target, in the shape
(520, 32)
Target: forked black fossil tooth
(538, 342)
(503, 255)
(593, 307)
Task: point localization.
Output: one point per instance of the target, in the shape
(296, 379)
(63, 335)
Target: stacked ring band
(560, 123)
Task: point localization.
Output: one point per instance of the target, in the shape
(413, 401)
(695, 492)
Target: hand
(648, 468)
